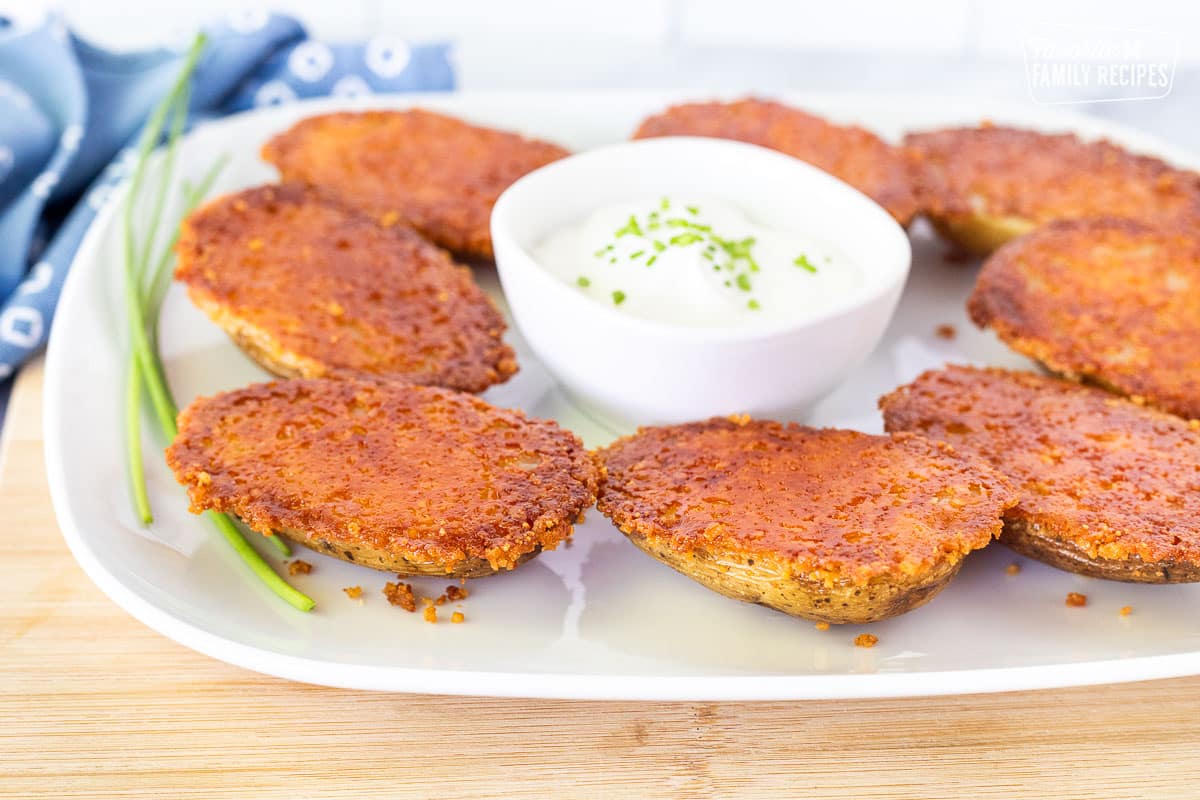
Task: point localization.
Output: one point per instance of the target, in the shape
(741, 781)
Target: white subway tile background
(943, 47)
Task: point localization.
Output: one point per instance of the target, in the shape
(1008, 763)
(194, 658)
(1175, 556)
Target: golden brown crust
(1107, 487)
(983, 186)
(853, 154)
(827, 524)
(436, 173)
(309, 288)
(429, 480)
(1111, 301)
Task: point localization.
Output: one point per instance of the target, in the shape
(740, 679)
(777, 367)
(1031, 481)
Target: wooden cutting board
(93, 704)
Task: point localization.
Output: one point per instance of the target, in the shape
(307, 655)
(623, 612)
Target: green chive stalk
(143, 305)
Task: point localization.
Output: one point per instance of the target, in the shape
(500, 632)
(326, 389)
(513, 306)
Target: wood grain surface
(93, 704)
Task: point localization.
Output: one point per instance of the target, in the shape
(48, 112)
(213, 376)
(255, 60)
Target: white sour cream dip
(696, 261)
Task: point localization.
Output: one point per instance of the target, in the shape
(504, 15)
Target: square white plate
(595, 619)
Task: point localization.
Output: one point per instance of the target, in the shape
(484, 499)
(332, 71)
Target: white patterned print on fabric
(274, 93)
(311, 61)
(38, 278)
(21, 326)
(387, 57)
(351, 86)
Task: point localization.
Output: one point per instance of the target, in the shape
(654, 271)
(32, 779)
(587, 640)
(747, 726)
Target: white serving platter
(595, 619)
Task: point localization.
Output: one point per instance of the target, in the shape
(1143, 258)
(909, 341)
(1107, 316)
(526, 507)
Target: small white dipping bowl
(632, 371)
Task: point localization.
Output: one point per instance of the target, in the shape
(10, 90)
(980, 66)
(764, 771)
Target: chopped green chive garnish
(630, 227)
(684, 239)
(680, 222)
(803, 263)
(735, 256)
(583, 281)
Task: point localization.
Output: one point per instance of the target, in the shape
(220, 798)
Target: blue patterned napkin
(69, 113)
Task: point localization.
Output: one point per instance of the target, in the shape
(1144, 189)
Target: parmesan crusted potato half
(853, 154)
(1107, 488)
(982, 187)
(309, 288)
(436, 173)
(1109, 301)
(408, 479)
(830, 525)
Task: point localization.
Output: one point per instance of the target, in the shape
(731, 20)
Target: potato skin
(436, 173)
(852, 154)
(366, 555)
(1110, 301)
(831, 525)
(982, 187)
(981, 234)
(409, 479)
(1025, 537)
(1107, 488)
(309, 288)
(767, 583)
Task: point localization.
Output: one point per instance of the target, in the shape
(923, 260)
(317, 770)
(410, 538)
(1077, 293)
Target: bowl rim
(508, 204)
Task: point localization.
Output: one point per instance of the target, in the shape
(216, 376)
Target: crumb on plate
(1126, 611)
(353, 592)
(946, 331)
(457, 617)
(400, 594)
(430, 614)
(456, 593)
(1012, 569)
(822, 626)
(1076, 600)
(299, 567)
(866, 640)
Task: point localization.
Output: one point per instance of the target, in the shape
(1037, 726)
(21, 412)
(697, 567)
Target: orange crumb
(457, 617)
(427, 601)
(400, 594)
(822, 626)
(299, 567)
(353, 592)
(1126, 611)
(1076, 600)
(440, 601)
(456, 593)
(946, 331)
(1012, 569)
(866, 640)
(430, 614)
